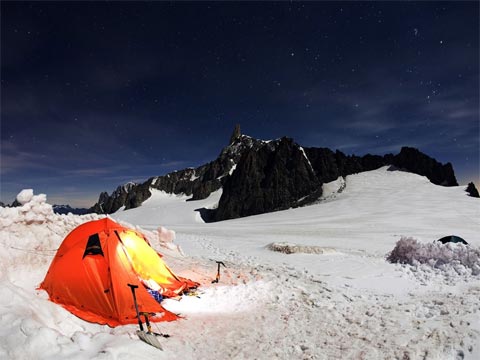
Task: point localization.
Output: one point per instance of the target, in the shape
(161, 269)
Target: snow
(232, 169)
(25, 196)
(331, 189)
(306, 158)
(459, 257)
(288, 248)
(162, 208)
(347, 302)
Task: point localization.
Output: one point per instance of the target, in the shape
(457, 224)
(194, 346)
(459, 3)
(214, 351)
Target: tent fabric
(148, 265)
(93, 266)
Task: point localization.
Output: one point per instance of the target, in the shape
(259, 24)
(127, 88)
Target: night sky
(96, 94)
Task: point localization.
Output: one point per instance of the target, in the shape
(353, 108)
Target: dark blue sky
(96, 94)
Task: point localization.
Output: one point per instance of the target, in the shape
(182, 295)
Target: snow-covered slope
(345, 302)
(171, 209)
(374, 210)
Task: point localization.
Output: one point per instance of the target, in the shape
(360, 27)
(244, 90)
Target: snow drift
(458, 257)
(287, 248)
(452, 262)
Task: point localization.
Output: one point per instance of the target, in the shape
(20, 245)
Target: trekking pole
(217, 278)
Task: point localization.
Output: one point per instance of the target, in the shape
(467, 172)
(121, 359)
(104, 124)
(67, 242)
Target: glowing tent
(90, 273)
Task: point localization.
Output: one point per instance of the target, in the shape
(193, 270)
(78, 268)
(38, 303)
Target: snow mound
(288, 248)
(30, 234)
(332, 189)
(460, 258)
(161, 238)
(25, 196)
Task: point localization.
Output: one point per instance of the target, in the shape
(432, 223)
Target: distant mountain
(198, 182)
(262, 176)
(65, 209)
(281, 174)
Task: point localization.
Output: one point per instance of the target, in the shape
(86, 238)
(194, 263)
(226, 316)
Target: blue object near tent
(452, 239)
(156, 295)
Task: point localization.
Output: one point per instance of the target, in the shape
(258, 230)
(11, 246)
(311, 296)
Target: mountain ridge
(260, 176)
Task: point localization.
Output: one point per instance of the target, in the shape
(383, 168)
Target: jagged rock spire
(236, 133)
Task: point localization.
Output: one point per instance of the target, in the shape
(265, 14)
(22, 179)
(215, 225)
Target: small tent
(452, 239)
(93, 266)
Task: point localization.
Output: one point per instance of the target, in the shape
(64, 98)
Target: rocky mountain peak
(272, 176)
(197, 182)
(417, 162)
(262, 176)
(236, 133)
(238, 146)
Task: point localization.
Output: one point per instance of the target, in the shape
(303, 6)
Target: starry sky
(96, 94)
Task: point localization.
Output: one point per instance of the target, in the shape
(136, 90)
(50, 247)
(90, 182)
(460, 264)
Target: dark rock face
(329, 165)
(415, 161)
(324, 162)
(275, 176)
(137, 195)
(109, 204)
(472, 190)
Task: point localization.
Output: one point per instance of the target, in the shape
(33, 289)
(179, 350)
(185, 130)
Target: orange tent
(90, 273)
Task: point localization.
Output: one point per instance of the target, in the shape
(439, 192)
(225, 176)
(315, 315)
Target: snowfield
(331, 294)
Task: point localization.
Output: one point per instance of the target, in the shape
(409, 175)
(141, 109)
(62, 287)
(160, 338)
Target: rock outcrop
(275, 176)
(108, 204)
(413, 160)
(472, 190)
